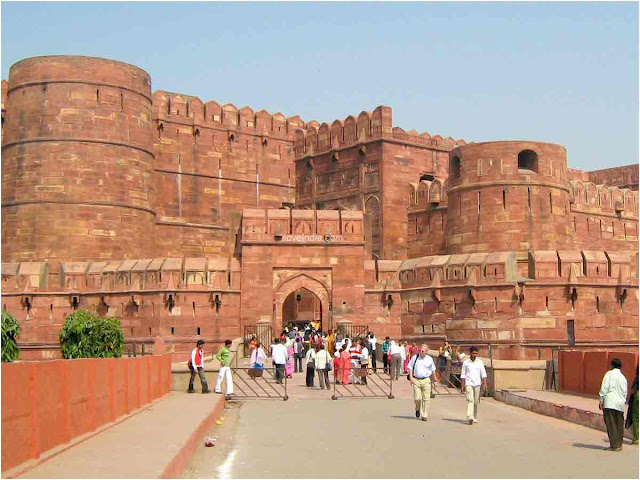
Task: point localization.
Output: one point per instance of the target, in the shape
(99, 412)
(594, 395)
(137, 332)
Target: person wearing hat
(196, 364)
(223, 356)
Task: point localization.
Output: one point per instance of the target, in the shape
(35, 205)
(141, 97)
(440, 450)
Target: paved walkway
(142, 446)
(380, 438)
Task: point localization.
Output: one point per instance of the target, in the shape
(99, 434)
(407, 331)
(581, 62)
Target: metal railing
(257, 383)
(262, 333)
(354, 332)
(362, 383)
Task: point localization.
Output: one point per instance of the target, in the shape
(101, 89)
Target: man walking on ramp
(421, 374)
(474, 380)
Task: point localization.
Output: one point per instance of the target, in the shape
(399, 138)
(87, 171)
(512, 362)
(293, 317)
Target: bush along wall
(10, 332)
(84, 335)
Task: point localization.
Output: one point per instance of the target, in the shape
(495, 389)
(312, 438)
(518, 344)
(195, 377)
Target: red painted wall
(48, 403)
(582, 372)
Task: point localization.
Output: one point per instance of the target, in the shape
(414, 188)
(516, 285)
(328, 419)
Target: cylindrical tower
(511, 195)
(77, 161)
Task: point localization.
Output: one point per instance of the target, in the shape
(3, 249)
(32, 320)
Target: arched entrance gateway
(299, 300)
(302, 307)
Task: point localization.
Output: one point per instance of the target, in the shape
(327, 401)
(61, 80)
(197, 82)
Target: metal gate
(362, 383)
(257, 383)
(353, 331)
(262, 334)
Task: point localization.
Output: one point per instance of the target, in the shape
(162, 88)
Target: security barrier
(257, 383)
(361, 382)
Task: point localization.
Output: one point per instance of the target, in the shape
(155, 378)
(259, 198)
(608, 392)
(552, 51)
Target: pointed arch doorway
(302, 307)
(300, 299)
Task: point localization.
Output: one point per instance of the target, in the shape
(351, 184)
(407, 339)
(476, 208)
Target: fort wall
(167, 212)
(77, 160)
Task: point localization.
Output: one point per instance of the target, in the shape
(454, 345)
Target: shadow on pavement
(406, 417)
(587, 445)
(457, 420)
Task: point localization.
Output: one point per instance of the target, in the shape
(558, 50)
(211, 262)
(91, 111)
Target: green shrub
(85, 335)
(10, 331)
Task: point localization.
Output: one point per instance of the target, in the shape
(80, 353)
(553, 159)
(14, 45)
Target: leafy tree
(10, 331)
(85, 335)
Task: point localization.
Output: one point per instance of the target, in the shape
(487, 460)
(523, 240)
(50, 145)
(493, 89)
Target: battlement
(587, 197)
(572, 267)
(119, 275)
(302, 226)
(426, 192)
(192, 111)
(367, 126)
(435, 141)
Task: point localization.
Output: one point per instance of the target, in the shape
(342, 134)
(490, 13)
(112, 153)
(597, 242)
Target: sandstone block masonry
(191, 219)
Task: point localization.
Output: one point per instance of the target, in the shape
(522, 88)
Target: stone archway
(291, 285)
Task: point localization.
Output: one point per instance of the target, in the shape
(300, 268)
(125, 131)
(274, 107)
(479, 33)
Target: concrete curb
(181, 459)
(563, 412)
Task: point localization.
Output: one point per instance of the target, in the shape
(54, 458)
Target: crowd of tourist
(352, 360)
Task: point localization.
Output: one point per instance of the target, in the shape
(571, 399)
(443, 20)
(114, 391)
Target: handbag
(414, 369)
(328, 367)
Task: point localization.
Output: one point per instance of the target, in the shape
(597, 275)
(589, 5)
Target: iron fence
(361, 382)
(257, 383)
(354, 332)
(262, 333)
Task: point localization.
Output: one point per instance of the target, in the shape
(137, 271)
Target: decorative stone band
(63, 202)
(82, 82)
(507, 183)
(392, 140)
(192, 225)
(77, 140)
(117, 292)
(230, 179)
(204, 125)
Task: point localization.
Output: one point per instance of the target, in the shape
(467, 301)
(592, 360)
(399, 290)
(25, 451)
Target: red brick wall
(492, 203)
(46, 404)
(77, 160)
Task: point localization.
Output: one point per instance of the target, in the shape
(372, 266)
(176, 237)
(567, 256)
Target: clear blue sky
(558, 72)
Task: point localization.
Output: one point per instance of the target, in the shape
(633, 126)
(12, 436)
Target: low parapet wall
(49, 403)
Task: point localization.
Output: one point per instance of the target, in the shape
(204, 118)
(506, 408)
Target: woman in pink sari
(288, 367)
(345, 365)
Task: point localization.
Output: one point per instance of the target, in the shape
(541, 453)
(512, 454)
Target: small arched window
(528, 160)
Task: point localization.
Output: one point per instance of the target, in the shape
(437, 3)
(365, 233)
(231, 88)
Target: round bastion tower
(511, 195)
(77, 161)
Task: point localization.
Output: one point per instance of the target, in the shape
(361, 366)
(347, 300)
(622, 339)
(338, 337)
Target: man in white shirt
(280, 357)
(421, 374)
(613, 394)
(372, 341)
(323, 360)
(395, 351)
(473, 379)
(364, 359)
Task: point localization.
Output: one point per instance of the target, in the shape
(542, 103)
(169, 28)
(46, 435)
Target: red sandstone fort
(194, 220)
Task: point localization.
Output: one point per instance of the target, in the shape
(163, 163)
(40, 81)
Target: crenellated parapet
(568, 267)
(591, 198)
(366, 127)
(119, 276)
(302, 226)
(192, 112)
